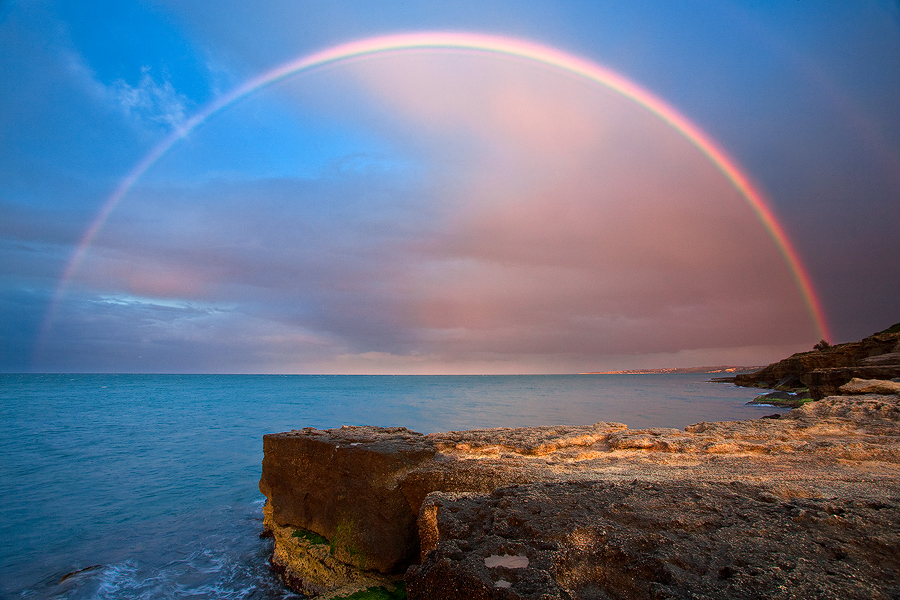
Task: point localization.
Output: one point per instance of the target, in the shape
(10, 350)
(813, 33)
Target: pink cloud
(585, 225)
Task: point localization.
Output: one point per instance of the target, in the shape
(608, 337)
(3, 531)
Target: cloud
(150, 103)
(140, 334)
(558, 227)
(150, 100)
(585, 225)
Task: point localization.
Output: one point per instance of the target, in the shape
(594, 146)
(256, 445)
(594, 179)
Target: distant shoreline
(720, 369)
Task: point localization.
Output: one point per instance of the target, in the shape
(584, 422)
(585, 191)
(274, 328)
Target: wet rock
(789, 383)
(310, 567)
(782, 399)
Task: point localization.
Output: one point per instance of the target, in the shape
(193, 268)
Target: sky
(444, 210)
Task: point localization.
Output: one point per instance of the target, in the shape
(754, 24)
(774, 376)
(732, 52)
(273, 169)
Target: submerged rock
(782, 399)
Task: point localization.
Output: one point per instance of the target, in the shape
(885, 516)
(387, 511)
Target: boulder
(870, 386)
(344, 484)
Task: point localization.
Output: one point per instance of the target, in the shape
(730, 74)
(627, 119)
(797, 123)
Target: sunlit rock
(736, 509)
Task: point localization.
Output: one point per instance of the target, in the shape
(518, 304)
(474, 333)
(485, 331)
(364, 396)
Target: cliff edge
(805, 505)
(824, 370)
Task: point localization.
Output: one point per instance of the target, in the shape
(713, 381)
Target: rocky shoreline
(806, 505)
(798, 505)
(821, 372)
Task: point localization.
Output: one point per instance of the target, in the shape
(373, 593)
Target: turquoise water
(148, 483)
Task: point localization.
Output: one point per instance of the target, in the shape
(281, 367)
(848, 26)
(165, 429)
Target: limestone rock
(828, 382)
(870, 386)
(638, 539)
(824, 371)
(373, 494)
(891, 358)
(344, 484)
(311, 569)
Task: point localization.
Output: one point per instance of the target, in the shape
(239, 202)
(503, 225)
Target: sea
(145, 486)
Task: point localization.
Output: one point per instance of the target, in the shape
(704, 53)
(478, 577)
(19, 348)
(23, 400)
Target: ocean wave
(206, 573)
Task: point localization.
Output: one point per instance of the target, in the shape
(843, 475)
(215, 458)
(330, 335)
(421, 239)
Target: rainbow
(483, 44)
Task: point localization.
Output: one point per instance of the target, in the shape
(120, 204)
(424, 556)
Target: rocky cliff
(824, 370)
(805, 505)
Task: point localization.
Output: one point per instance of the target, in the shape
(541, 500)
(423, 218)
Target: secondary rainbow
(488, 44)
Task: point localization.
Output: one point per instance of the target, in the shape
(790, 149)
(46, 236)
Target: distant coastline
(720, 369)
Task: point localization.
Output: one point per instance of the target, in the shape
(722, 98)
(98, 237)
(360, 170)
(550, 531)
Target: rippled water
(145, 486)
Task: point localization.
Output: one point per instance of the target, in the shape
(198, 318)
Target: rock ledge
(824, 370)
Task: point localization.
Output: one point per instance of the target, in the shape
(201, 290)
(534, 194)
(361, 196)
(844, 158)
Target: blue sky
(441, 212)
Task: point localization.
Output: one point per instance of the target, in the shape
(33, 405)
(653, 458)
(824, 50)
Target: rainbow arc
(484, 44)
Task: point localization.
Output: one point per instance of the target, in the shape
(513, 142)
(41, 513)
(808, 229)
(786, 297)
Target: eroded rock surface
(309, 566)
(344, 484)
(380, 498)
(640, 539)
(870, 386)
